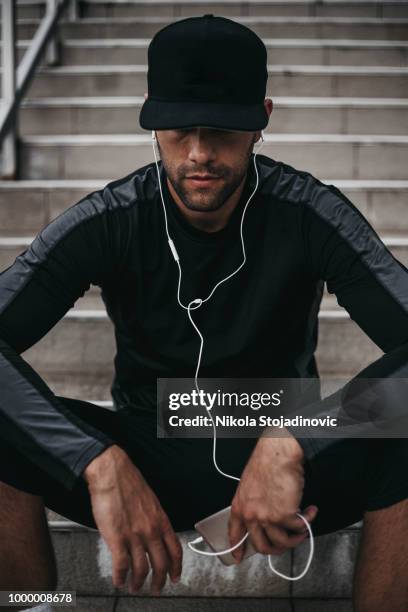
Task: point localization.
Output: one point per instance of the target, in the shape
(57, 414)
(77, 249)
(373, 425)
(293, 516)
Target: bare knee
(380, 581)
(27, 559)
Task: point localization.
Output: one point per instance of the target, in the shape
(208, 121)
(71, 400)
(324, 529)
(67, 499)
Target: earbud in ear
(153, 135)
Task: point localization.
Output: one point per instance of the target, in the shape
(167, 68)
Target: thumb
(310, 513)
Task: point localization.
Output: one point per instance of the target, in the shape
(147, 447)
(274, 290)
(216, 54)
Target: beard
(213, 197)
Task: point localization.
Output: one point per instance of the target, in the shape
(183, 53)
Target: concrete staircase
(338, 76)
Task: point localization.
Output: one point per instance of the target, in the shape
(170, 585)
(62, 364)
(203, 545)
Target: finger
(278, 537)
(236, 531)
(271, 548)
(160, 563)
(295, 523)
(259, 539)
(175, 552)
(271, 540)
(120, 564)
(140, 565)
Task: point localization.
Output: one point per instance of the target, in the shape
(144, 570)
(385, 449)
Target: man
(206, 102)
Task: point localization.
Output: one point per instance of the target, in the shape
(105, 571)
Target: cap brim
(161, 115)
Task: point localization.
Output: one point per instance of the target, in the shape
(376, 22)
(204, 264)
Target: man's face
(205, 165)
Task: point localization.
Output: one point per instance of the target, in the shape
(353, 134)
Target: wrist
(100, 464)
(284, 443)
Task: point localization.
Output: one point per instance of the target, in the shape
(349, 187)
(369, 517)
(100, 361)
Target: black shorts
(344, 480)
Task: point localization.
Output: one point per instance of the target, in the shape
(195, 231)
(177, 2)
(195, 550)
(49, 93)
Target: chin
(201, 209)
(199, 204)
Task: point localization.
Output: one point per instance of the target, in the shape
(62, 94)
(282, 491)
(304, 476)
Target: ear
(258, 135)
(268, 106)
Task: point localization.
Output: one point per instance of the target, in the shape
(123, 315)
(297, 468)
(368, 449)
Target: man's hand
(268, 497)
(132, 522)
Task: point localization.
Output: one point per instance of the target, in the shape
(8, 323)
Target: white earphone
(193, 305)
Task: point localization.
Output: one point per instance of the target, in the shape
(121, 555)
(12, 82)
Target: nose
(201, 146)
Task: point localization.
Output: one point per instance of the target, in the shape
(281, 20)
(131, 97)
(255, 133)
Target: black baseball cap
(206, 71)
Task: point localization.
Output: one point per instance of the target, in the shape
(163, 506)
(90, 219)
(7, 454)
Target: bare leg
(27, 560)
(381, 573)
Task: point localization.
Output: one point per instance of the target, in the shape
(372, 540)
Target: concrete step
(231, 604)
(180, 8)
(292, 115)
(310, 8)
(289, 51)
(98, 156)
(209, 604)
(85, 565)
(27, 206)
(75, 357)
(290, 80)
(355, 28)
(30, 9)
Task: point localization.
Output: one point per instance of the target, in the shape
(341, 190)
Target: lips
(202, 180)
(202, 177)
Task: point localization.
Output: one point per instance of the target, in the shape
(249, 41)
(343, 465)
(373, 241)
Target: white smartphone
(214, 530)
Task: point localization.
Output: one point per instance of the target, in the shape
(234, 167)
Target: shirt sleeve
(343, 249)
(64, 259)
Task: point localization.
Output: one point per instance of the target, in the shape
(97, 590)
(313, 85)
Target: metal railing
(15, 82)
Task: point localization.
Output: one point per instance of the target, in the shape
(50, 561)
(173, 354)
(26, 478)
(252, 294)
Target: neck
(209, 221)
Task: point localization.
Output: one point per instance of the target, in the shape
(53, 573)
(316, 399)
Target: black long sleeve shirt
(299, 233)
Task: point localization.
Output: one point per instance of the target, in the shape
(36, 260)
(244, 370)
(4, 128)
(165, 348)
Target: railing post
(8, 29)
(73, 11)
(53, 51)
(15, 82)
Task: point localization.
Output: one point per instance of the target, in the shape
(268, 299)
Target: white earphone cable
(193, 305)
